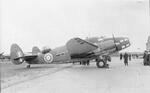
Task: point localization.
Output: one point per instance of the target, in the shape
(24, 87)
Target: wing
(78, 48)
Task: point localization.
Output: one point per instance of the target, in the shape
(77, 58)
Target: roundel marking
(48, 57)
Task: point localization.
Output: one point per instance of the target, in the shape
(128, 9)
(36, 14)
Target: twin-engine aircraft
(75, 50)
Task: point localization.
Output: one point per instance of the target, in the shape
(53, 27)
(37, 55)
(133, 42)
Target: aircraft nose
(125, 42)
(122, 43)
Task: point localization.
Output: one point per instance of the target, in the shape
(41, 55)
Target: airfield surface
(69, 78)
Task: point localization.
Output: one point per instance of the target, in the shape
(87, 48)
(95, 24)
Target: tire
(100, 64)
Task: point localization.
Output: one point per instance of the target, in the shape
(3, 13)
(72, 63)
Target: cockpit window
(121, 41)
(127, 45)
(126, 39)
(123, 46)
(117, 43)
(100, 39)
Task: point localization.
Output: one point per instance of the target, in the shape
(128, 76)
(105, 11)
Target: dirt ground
(68, 78)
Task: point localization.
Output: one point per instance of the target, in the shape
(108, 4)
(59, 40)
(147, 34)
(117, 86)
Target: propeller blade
(115, 42)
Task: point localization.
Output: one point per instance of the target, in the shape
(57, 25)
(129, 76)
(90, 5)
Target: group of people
(146, 58)
(126, 58)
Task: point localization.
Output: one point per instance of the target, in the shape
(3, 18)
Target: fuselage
(105, 46)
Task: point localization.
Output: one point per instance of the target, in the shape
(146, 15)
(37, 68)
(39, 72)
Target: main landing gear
(87, 62)
(101, 63)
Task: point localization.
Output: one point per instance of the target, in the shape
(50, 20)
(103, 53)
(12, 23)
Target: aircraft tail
(36, 50)
(16, 54)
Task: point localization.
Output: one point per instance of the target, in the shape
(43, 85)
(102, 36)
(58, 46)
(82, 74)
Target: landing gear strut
(28, 66)
(87, 62)
(101, 63)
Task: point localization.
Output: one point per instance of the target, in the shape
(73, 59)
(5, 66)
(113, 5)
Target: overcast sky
(53, 22)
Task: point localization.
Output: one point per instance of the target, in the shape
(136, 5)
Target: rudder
(16, 54)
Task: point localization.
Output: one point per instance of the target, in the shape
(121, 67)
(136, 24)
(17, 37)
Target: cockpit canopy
(46, 49)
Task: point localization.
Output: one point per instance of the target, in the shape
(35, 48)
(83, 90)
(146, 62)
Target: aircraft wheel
(100, 64)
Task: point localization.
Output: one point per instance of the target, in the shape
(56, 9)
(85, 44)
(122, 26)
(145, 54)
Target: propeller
(115, 42)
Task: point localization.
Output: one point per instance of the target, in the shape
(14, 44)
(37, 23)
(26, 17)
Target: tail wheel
(100, 64)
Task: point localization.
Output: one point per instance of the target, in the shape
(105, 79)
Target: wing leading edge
(78, 48)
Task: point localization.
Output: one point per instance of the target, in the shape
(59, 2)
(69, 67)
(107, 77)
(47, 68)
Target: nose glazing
(125, 43)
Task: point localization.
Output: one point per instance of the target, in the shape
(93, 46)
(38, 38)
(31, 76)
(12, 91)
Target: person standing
(130, 57)
(145, 57)
(126, 59)
(88, 62)
(120, 56)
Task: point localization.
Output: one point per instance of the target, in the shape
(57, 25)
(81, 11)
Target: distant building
(148, 44)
